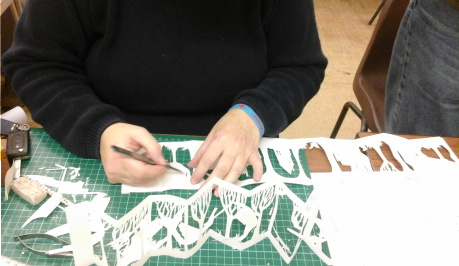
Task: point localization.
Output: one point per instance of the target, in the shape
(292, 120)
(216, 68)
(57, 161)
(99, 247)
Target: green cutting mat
(46, 152)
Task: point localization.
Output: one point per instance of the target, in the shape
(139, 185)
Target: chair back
(370, 79)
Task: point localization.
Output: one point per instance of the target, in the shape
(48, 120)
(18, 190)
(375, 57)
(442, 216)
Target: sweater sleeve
(46, 66)
(296, 66)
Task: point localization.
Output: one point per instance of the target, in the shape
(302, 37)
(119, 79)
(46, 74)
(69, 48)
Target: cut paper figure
(248, 218)
(171, 215)
(192, 233)
(232, 202)
(260, 201)
(199, 208)
(168, 225)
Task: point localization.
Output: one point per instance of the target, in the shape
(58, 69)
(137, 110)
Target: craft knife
(139, 157)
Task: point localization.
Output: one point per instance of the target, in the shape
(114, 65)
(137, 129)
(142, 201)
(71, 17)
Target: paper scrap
(45, 209)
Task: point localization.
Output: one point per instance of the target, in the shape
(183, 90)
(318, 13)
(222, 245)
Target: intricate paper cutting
(169, 225)
(281, 158)
(178, 227)
(248, 208)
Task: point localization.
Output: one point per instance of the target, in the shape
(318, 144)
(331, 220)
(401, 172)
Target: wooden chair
(370, 79)
(377, 12)
(15, 7)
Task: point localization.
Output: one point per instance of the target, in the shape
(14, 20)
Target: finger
(222, 156)
(193, 163)
(205, 163)
(237, 169)
(152, 147)
(216, 194)
(235, 172)
(214, 187)
(235, 165)
(257, 166)
(229, 168)
(132, 172)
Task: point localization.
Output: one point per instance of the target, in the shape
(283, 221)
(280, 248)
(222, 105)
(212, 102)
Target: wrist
(251, 113)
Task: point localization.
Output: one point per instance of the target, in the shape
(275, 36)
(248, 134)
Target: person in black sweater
(96, 73)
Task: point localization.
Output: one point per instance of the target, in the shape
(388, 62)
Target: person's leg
(422, 94)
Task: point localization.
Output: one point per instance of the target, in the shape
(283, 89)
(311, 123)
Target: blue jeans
(422, 93)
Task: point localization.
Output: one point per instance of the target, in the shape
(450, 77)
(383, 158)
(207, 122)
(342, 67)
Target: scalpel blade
(139, 157)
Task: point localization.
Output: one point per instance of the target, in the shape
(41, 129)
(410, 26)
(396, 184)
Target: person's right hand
(123, 169)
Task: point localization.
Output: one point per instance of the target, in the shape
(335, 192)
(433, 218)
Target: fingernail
(193, 181)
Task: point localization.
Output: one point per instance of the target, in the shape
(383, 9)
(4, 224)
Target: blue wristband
(252, 115)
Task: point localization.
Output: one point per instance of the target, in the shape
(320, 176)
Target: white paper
(16, 115)
(283, 149)
(46, 208)
(173, 226)
(390, 219)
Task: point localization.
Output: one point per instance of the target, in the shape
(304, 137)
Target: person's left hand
(231, 145)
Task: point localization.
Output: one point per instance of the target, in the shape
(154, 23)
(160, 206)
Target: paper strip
(80, 233)
(46, 208)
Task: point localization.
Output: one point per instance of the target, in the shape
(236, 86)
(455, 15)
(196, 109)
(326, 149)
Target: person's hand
(231, 145)
(123, 169)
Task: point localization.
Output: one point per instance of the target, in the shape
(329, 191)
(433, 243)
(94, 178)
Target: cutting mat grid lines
(47, 153)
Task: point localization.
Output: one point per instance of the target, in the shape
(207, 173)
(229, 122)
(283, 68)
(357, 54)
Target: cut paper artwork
(280, 158)
(173, 226)
(284, 159)
(408, 153)
(241, 218)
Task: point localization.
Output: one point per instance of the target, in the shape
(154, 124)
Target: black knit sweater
(172, 66)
